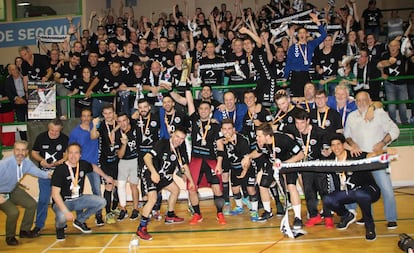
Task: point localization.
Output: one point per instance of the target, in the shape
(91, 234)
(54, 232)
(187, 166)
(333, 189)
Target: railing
(406, 137)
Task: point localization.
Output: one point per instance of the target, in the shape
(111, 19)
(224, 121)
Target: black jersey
(108, 82)
(236, 150)
(283, 148)
(69, 75)
(330, 121)
(62, 178)
(39, 68)
(249, 129)
(395, 70)
(312, 143)
(127, 63)
(212, 76)
(327, 62)
(148, 132)
(162, 56)
(51, 150)
(131, 150)
(107, 149)
(166, 158)
(234, 78)
(283, 119)
(203, 137)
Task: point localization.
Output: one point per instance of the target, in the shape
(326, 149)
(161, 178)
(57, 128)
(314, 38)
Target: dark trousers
(337, 200)
(314, 183)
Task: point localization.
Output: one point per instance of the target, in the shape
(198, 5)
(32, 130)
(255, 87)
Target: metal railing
(406, 137)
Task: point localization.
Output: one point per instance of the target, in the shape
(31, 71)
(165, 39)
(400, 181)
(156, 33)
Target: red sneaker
(143, 234)
(329, 222)
(221, 220)
(313, 221)
(197, 218)
(174, 219)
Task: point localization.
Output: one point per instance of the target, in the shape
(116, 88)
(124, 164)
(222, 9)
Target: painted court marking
(206, 245)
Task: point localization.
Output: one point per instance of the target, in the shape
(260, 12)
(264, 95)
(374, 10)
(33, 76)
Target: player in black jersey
(285, 113)
(148, 125)
(325, 117)
(104, 131)
(205, 153)
(160, 164)
(314, 142)
(236, 146)
(126, 139)
(274, 148)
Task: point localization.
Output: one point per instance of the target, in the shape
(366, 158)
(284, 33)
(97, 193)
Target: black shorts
(211, 177)
(251, 176)
(226, 166)
(110, 169)
(267, 175)
(235, 181)
(148, 185)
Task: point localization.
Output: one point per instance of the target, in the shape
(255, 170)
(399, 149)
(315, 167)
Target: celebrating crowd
(142, 121)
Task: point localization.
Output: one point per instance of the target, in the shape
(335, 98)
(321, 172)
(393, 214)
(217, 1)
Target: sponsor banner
(42, 100)
(26, 33)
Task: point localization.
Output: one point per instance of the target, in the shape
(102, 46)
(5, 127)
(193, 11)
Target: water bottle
(133, 244)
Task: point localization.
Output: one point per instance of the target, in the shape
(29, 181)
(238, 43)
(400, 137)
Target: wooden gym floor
(239, 235)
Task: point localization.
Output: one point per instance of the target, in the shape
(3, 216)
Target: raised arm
(190, 102)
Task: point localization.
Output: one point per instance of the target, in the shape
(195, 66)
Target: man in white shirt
(374, 136)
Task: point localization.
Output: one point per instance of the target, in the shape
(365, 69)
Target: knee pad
(237, 195)
(219, 201)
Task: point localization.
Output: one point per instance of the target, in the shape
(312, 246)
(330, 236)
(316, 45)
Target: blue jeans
(383, 180)
(85, 206)
(43, 202)
(97, 106)
(95, 181)
(396, 92)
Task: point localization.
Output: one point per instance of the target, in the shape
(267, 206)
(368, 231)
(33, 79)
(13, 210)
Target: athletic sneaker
(134, 214)
(116, 211)
(392, 225)
(82, 227)
(297, 223)
(143, 234)
(197, 218)
(60, 234)
(221, 220)
(254, 216)
(237, 210)
(246, 202)
(313, 221)
(156, 215)
(122, 215)
(360, 221)
(173, 219)
(370, 233)
(226, 208)
(346, 221)
(99, 220)
(329, 222)
(265, 216)
(110, 219)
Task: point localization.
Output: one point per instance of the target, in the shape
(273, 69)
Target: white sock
(255, 205)
(266, 206)
(239, 202)
(296, 210)
(122, 193)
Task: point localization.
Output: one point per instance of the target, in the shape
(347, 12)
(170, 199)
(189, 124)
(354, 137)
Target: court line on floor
(50, 246)
(109, 243)
(227, 244)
